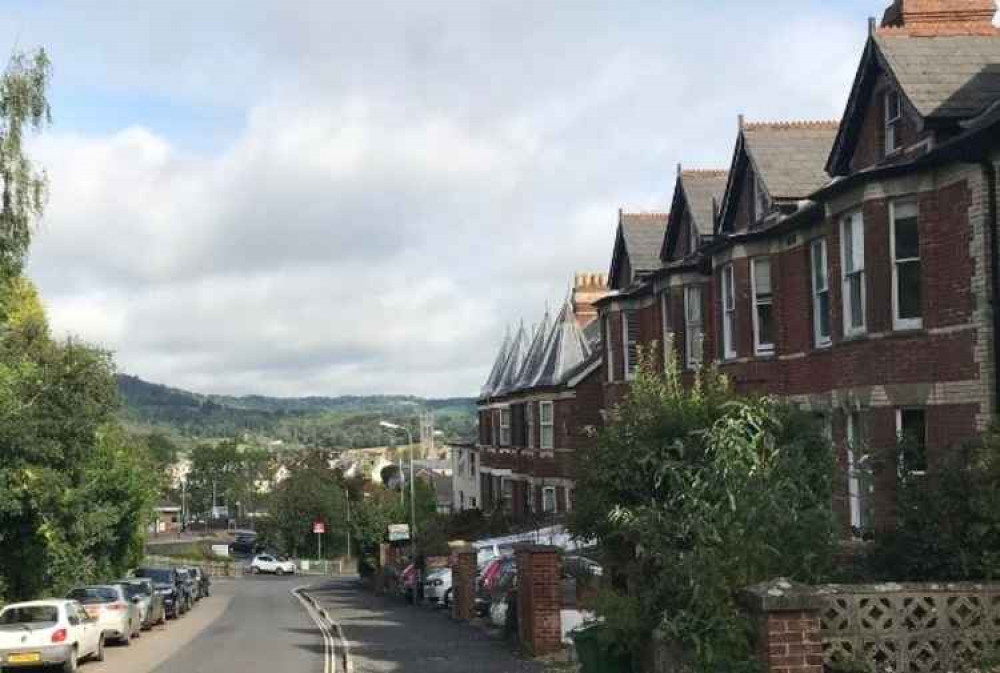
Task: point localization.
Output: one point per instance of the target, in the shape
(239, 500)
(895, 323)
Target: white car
(436, 585)
(118, 617)
(51, 632)
(265, 563)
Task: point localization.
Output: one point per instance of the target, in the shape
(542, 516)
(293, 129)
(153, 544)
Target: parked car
(245, 544)
(202, 582)
(151, 607)
(50, 632)
(166, 584)
(437, 583)
(268, 563)
(116, 614)
(187, 586)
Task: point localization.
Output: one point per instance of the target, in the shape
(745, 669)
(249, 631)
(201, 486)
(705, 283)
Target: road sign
(319, 528)
(399, 531)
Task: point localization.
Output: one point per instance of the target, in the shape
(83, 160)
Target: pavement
(386, 635)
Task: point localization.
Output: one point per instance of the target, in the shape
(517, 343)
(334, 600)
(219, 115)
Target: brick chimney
(931, 18)
(587, 289)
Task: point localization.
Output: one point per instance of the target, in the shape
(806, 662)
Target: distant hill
(347, 422)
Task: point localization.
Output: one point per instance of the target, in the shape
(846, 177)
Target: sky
(325, 197)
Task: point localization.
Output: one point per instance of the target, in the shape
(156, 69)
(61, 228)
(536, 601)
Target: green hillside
(344, 422)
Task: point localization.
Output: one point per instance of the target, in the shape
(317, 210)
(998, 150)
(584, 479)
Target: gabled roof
(497, 371)
(954, 76)
(944, 79)
(787, 157)
(639, 238)
(565, 350)
(533, 358)
(512, 366)
(698, 192)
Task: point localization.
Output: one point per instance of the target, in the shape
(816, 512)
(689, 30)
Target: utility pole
(347, 498)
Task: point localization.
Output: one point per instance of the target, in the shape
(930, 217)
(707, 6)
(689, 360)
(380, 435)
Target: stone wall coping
(780, 595)
(906, 587)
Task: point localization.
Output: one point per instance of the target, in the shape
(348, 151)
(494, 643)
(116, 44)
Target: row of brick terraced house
(844, 266)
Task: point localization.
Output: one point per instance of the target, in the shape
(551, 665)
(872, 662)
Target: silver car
(117, 616)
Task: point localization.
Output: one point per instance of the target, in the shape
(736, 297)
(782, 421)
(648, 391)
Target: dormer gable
(637, 245)
(693, 213)
(930, 66)
(775, 166)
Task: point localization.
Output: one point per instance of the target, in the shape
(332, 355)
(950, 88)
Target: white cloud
(400, 183)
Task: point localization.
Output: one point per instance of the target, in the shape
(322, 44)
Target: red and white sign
(319, 528)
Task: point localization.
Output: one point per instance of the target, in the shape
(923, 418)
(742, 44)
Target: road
(249, 625)
(385, 635)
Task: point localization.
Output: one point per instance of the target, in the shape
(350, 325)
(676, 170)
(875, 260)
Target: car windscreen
(92, 595)
(29, 614)
(160, 575)
(144, 588)
(182, 574)
(133, 590)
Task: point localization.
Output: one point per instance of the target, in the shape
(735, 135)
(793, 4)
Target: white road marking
(329, 648)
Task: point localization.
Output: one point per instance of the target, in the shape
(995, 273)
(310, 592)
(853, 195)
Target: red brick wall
(539, 600)
(945, 239)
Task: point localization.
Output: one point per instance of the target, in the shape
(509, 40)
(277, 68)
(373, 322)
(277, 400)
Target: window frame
(546, 490)
(759, 347)
(694, 340)
(848, 303)
(529, 422)
(550, 425)
(505, 413)
(628, 345)
(819, 248)
(859, 473)
(728, 302)
(668, 338)
(694, 238)
(609, 351)
(899, 323)
(891, 125)
(900, 437)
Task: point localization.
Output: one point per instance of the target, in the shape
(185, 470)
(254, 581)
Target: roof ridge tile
(792, 125)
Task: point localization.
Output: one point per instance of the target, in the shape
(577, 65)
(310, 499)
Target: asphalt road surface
(385, 635)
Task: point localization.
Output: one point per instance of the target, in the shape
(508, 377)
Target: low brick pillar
(463, 582)
(786, 616)
(539, 626)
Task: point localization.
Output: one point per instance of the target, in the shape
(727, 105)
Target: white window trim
(505, 439)
(850, 331)
(609, 352)
(542, 424)
(694, 341)
(892, 122)
(728, 312)
(854, 495)
(899, 433)
(897, 322)
(760, 348)
(816, 248)
(555, 506)
(626, 357)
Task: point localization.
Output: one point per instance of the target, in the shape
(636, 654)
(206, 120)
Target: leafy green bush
(695, 493)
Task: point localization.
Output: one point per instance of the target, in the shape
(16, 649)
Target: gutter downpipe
(990, 172)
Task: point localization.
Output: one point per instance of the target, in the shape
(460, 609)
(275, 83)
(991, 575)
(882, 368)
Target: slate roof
(790, 157)
(513, 363)
(643, 236)
(944, 76)
(565, 349)
(494, 378)
(533, 358)
(700, 189)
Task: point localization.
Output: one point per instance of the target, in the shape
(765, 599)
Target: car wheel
(70, 665)
(279, 572)
(125, 640)
(99, 655)
(254, 570)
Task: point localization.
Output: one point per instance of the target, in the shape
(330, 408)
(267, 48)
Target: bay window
(728, 312)
(505, 427)
(693, 326)
(630, 343)
(547, 424)
(820, 293)
(853, 268)
(906, 299)
(763, 316)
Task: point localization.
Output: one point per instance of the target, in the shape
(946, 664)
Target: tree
(23, 105)
(695, 493)
(306, 496)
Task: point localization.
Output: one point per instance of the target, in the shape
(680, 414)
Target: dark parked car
(201, 581)
(188, 585)
(244, 545)
(167, 584)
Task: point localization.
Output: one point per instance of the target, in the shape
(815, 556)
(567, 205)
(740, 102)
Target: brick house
(542, 395)
(846, 266)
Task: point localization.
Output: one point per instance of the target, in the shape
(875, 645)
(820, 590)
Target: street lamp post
(413, 510)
